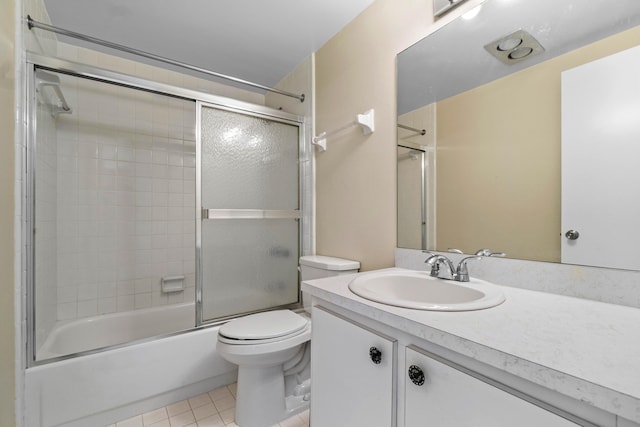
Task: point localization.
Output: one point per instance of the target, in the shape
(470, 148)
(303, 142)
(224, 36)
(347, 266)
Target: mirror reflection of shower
(412, 196)
(416, 170)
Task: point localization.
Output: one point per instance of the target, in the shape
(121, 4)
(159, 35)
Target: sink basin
(419, 291)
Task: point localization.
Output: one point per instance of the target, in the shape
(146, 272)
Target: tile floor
(213, 409)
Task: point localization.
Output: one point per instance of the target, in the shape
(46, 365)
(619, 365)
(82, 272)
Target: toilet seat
(263, 328)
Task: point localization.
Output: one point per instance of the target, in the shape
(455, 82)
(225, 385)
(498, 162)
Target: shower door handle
(249, 214)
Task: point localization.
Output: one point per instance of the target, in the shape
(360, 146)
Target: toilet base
(260, 397)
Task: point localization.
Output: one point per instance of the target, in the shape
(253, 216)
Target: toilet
(272, 352)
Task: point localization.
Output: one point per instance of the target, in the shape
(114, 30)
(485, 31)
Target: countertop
(585, 349)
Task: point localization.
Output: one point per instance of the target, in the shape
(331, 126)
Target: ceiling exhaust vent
(514, 47)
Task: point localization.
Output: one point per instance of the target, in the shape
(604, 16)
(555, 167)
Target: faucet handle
(489, 252)
(462, 272)
(434, 262)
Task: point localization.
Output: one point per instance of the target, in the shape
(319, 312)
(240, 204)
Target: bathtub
(101, 388)
(108, 330)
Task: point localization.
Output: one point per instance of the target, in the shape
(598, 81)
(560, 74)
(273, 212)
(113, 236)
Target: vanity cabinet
(441, 393)
(353, 370)
(358, 372)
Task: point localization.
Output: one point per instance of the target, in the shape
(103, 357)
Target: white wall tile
(125, 303)
(67, 311)
(125, 199)
(87, 308)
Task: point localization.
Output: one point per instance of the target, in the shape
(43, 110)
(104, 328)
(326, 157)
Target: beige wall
(7, 180)
(498, 175)
(356, 176)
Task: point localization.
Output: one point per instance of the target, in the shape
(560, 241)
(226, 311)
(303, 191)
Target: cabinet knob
(375, 355)
(416, 375)
(572, 235)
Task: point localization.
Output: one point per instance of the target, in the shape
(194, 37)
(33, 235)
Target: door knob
(572, 235)
(416, 375)
(375, 355)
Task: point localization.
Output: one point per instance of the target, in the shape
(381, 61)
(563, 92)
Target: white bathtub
(117, 328)
(101, 388)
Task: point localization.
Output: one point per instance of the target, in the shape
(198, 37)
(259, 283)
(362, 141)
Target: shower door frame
(297, 214)
(36, 61)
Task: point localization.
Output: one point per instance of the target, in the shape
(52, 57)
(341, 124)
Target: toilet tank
(319, 266)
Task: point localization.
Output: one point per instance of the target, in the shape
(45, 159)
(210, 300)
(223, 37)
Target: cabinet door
(450, 397)
(352, 384)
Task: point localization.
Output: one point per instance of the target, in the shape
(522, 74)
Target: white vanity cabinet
(443, 394)
(362, 377)
(353, 370)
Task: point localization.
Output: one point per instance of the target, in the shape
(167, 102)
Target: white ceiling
(255, 40)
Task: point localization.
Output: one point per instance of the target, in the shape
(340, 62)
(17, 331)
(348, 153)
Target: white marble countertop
(584, 349)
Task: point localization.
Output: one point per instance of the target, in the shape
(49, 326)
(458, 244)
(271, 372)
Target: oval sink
(419, 291)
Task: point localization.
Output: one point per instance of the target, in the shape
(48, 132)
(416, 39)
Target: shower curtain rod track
(420, 131)
(31, 23)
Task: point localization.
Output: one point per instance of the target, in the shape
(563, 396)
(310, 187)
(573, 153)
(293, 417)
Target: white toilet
(271, 350)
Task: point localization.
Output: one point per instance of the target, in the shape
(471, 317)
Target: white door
(438, 395)
(601, 162)
(352, 384)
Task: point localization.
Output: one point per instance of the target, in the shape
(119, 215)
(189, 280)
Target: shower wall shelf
(172, 284)
(364, 120)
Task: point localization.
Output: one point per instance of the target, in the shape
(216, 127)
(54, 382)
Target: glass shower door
(250, 214)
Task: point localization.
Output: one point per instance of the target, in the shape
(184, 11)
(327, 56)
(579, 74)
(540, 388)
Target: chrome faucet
(489, 252)
(435, 261)
(459, 274)
(480, 252)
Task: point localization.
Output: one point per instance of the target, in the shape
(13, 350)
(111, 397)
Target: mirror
(493, 169)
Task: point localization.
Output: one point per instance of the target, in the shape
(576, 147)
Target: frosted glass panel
(248, 162)
(248, 265)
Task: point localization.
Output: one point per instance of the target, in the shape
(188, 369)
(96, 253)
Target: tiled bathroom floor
(213, 409)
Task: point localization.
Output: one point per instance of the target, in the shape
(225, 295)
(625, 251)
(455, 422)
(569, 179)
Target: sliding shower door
(249, 212)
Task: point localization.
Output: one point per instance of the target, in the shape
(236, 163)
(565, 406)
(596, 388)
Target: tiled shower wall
(125, 199)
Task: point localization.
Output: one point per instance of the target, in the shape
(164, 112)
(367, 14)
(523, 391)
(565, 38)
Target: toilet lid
(260, 326)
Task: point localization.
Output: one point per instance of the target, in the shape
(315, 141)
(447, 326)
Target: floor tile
(154, 416)
(201, 400)
(182, 420)
(228, 416)
(178, 408)
(220, 393)
(233, 388)
(226, 403)
(131, 422)
(212, 421)
(213, 409)
(294, 421)
(204, 411)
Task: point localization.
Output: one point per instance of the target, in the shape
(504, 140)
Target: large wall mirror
(519, 131)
